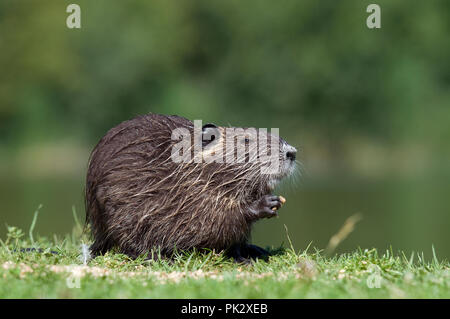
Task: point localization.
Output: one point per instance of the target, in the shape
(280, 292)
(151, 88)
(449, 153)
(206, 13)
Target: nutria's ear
(207, 125)
(210, 132)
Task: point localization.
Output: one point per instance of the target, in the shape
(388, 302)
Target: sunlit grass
(57, 271)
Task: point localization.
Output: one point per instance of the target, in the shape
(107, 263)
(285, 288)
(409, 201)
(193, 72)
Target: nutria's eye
(209, 133)
(247, 140)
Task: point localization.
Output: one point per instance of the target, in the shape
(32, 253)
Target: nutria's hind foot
(244, 253)
(99, 247)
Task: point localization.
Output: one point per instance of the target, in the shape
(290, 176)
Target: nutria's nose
(291, 155)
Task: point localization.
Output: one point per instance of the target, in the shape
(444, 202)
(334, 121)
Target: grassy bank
(58, 272)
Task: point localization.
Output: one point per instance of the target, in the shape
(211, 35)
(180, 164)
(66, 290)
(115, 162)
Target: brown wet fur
(138, 199)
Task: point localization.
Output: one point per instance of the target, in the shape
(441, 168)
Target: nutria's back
(139, 196)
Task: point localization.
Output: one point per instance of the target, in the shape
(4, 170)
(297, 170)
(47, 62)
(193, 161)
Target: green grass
(287, 274)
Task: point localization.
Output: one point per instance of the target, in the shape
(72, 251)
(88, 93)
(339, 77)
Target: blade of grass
(205, 261)
(187, 263)
(346, 229)
(33, 224)
(75, 217)
(289, 238)
(435, 260)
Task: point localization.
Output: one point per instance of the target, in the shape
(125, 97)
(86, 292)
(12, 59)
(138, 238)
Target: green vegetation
(367, 109)
(308, 67)
(287, 274)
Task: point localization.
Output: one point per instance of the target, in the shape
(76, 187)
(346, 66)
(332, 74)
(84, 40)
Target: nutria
(139, 199)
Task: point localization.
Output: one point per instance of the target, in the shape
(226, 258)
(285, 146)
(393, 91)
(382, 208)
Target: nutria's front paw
(267, 206)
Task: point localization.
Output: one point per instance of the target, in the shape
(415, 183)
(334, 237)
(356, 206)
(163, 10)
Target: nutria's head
(245, 160)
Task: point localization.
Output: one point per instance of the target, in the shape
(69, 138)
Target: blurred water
(407, 214)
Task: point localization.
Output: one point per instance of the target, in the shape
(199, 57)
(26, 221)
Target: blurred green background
(369, 109)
